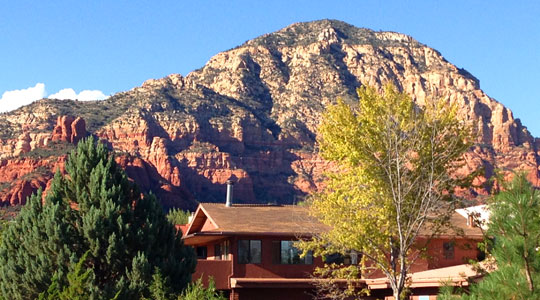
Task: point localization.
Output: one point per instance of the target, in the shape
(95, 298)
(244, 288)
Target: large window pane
(285, 252)
(201, 252)
(225, 250)
(291, 255)
(351, 258)
(255, 252)
(217, 251)
(308, 259)
(249, 251)
(448, 250)
(243, 251)
(334, 258)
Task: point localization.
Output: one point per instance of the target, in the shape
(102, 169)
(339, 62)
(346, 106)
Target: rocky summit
(251, 113)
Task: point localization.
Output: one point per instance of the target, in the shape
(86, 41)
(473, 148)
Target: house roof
(481, 214)
(182, 228)
(212, 221)
(455, 275)
(256, 219)
(460, 227)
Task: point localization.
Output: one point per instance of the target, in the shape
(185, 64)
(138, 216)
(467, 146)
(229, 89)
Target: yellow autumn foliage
(395, 161)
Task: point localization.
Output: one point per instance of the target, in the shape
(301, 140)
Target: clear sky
(97, 48)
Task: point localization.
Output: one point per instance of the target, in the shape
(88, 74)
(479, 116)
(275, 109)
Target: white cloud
(14, 99)
(83, 95)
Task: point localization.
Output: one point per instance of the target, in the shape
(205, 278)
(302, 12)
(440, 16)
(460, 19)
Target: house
(248, 250)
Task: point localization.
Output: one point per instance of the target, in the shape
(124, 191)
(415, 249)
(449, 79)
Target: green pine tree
(515, 227)
(94, 209)
(3, 225)
(197, 291)
(79, 279)
(178, 216)
(158, 288)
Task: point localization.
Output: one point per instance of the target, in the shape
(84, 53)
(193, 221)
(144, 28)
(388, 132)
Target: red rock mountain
(251, 113)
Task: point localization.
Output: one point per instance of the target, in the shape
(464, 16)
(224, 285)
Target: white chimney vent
(229, 200)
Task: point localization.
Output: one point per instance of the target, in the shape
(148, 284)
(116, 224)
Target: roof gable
(201, 220)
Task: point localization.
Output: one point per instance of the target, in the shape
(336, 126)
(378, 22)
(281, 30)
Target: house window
(286, 254)
(202, 252)
(249, 251)
(448, 250)
(221, 251)
(350, 258)
(225, 248)
(217, 251)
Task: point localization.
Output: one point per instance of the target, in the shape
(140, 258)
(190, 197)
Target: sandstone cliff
(251, 113)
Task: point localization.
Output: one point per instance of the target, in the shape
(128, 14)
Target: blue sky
(103, 47)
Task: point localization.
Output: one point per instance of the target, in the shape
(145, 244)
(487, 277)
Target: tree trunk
(528, 274)
(397, 286)
(397, 293)
(527, 266)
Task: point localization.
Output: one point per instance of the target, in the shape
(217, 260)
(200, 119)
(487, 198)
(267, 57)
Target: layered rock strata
(251, 113)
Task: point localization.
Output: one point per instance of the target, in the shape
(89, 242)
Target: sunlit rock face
(251, 113)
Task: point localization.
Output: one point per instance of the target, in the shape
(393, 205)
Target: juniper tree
(94, 209)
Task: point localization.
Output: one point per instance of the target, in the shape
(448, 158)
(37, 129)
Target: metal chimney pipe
(470, 220)
(229, 200)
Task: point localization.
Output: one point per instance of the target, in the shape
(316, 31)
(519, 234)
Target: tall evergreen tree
(515, 227)
(94, 209)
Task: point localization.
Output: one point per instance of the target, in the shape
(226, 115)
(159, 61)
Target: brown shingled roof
(276, 219)
(470, 231)
(457, 227)
(286, 220)
(459, 275)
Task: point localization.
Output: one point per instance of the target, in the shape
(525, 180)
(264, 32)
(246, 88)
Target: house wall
(416, 294)
(223, 270)
(219, 270)
(273, 294)
(207, 225)
(464, 250)
(267, 268)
